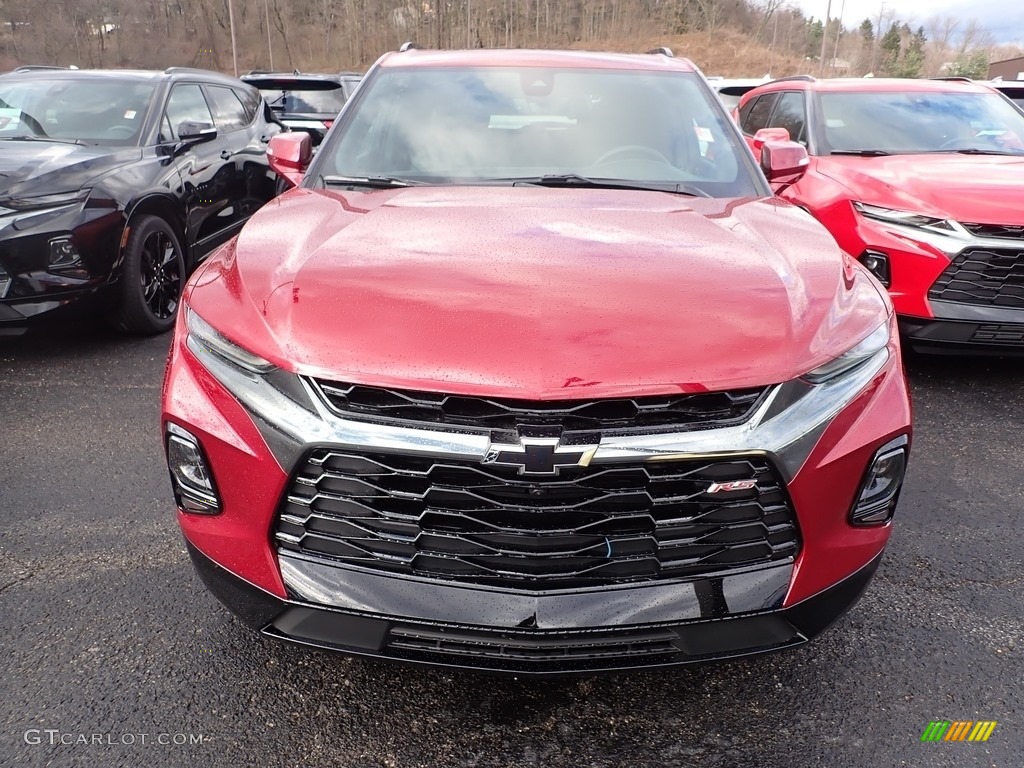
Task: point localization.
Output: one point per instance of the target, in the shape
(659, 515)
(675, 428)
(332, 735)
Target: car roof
(875, 85)
(420, 57)
(737, 82)
(140, 75)
(298, 76)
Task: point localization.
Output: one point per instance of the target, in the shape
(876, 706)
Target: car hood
(537, 293)
(36, 168)
(986, 189)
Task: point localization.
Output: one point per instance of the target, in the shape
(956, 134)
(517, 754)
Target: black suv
(115, 184)
(303, 101)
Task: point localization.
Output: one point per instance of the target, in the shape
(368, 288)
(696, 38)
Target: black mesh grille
(999, 333)
(677, 412)
(467, 521)
(1000, 231)
(985, 277)
(532, 647)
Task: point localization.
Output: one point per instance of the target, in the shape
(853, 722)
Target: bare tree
(738, 37)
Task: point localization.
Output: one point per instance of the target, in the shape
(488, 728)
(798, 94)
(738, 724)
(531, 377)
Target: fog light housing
(5, 282)
(63, 253)
(877, 264)
(194, 490)
(876, 501)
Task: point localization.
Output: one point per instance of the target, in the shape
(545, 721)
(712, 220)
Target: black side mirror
(196, 132)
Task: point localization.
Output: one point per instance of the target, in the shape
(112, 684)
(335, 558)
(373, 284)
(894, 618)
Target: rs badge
(732, 485)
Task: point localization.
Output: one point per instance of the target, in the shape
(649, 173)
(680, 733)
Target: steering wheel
(120, 131)
(632, 149)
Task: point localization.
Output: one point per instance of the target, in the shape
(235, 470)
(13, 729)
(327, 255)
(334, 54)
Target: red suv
(532, 373)
(923, 181)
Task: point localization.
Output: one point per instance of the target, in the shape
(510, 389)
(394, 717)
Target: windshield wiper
(861, 152)
(981, 151)
(50, 139)
(576, 180)
(374, 182)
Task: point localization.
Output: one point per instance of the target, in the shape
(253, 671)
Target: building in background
(1008, 69)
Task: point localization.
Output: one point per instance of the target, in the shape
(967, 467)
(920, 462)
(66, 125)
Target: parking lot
(111, 645)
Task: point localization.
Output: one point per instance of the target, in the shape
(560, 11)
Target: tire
(152, 278)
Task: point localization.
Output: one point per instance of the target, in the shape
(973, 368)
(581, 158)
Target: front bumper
(610, 629)
(955, 291)
(309, 600)
(31, 289)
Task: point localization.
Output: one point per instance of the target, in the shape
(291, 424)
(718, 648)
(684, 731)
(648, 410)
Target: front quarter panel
(825, 488)
(246, 473)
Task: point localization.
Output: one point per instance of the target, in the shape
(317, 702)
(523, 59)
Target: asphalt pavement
(112, 652)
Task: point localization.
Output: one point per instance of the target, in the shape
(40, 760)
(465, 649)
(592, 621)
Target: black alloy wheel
(152, 277)
(161, 275)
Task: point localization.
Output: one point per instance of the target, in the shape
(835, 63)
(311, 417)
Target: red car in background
(923, 181)
(532, 373)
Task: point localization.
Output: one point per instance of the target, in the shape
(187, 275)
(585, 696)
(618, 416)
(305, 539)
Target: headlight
(945, 235)
(47, 201)
(906, 218)
(856, 356)
(205, 341)
(277, 399)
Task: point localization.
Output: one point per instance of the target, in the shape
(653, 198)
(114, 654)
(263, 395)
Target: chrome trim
(581, 455)
(781, 436)
(294, 415)
(295, 425)
(291, 428)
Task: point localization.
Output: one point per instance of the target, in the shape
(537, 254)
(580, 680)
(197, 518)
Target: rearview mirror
(784, 162)
(765, 135)
(192, 131)
(289, 155)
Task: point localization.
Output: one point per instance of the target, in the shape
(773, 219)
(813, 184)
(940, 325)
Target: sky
(1004, 19)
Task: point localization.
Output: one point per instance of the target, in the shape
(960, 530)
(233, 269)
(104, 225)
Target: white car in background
(1012, 89)
(730, 90)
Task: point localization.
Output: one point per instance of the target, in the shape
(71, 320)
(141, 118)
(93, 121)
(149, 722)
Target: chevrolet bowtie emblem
(540, 455)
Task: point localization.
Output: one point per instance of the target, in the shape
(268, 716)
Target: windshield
(101, 112)
(502, 124)
(292, 97)
(918, 121)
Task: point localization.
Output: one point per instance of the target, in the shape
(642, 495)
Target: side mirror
(289, 155)
(783, 162)
(191, 131)
(765, 135)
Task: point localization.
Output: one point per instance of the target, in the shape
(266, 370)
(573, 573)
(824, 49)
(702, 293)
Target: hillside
(728, 52)
(725, 37)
